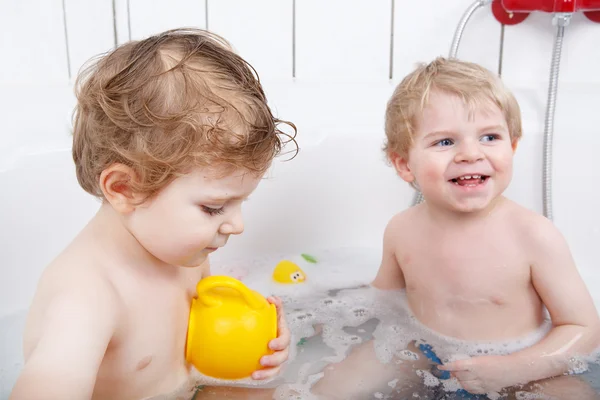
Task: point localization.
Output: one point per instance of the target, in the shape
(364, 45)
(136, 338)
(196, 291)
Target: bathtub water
(335, 299)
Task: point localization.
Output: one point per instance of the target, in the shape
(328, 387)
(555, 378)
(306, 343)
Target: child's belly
(476, 315)
(480, 294)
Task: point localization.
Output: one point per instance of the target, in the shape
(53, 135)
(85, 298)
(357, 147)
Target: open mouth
(469, 180)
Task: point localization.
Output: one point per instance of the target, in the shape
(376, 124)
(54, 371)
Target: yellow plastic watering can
(229, 328)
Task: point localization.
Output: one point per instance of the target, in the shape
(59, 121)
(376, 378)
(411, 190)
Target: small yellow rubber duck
(288, 272)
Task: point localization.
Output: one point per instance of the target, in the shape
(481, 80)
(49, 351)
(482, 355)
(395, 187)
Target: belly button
(499, 301)
(144, 362)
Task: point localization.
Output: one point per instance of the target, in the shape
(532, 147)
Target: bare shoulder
(77, 271)
(71, 286)
(405, 220)
(531, 226)
(70, 324)
(534, 231)
(390, 275)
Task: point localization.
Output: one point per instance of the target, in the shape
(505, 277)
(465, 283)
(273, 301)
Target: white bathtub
(337, 192)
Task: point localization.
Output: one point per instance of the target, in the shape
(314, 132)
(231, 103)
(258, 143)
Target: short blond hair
(166, 104)
(471, 82)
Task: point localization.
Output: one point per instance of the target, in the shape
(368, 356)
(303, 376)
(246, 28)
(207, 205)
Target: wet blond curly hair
(472, 83)
(174, 101)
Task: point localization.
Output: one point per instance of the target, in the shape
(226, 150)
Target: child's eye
(444, 142)
(213, 211)
(490, 138)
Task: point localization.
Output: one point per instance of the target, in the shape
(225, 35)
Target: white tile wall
(337, 40)
(152, 16)
(32, 43)
(338, 191)
(90, 30)
(268, 48)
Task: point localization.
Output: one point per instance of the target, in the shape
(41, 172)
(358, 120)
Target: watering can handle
(205, 285)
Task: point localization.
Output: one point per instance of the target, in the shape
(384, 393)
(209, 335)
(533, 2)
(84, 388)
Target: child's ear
(515, 144)
(115, 183)
(402, 167)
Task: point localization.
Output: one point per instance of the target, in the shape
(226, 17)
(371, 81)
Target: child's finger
(265, 373)
(461, 365)
(446, 367)
(283, 333)
(279, 343)
(275, 359)
(275, 300)
(283, 339)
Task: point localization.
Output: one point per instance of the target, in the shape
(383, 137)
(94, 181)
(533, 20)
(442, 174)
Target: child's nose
(468, 152)
(234, 225)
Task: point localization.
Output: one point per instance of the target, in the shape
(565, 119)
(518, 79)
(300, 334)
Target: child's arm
(576, 325)
(75, 333)
(390, 274)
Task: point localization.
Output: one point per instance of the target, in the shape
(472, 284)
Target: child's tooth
(468, 177)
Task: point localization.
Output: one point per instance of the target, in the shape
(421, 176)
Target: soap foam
(318, 307)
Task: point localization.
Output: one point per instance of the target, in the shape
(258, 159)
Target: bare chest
(155, 323)
(147, 354)
(473, 270)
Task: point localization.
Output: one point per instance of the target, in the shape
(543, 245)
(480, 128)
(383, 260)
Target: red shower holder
(512, 12)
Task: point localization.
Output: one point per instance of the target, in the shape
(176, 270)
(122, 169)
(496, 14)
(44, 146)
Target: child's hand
(280, 345)
(485, 374)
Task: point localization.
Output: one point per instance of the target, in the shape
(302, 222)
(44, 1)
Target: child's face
(461, 161)
(192, 216)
